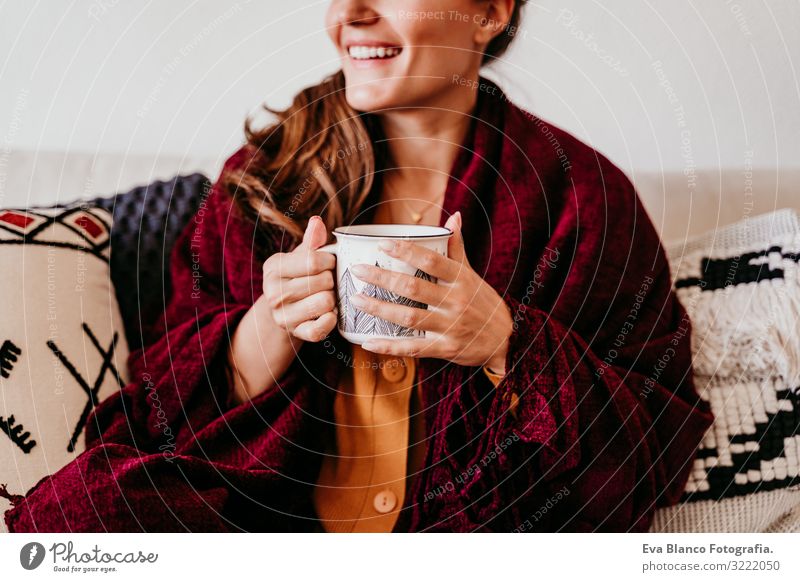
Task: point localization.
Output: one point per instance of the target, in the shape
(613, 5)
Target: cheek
(439, 44)
(330, 21)
(442, 63)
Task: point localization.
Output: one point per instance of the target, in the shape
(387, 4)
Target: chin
(371, 96)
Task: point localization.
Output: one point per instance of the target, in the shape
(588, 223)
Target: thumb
(316, 235)
(455, 245)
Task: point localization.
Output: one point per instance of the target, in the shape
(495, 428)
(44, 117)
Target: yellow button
(393, 369)
(385, 501)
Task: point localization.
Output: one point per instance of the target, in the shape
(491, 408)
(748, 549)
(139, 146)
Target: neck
(424, 142)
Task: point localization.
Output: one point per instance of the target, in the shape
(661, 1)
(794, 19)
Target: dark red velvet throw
(607, 420)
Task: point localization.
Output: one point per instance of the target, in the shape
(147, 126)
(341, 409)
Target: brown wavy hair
(320, 156)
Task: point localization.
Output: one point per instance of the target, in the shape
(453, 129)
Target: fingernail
(458, 219)
(359, 270)
(357, 299)
(387, 245)
(368, 345)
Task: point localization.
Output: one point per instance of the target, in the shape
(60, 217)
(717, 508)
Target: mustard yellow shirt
(380, 437)
(380, 441)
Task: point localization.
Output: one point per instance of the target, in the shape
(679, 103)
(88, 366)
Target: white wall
(179, 77)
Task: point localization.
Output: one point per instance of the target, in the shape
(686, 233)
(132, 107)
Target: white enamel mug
(359, 244)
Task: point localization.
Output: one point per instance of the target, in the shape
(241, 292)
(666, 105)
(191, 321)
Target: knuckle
(427, 262)
(302, 334)
(332, 324)
(449, 350)
(408, 319)
(272, 298)
(461, 304)
(269, 266)
(412, 351)
(275, 302)
(314, 308)
(318, 336)
(412, 287)
(458, 298)
(280, 320)
(321, 261)
(327, 279)
(321, 328)
(328, 301)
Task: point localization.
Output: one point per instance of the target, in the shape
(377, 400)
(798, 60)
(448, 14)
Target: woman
(553, 390)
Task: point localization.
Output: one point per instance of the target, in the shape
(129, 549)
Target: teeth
(372, 52)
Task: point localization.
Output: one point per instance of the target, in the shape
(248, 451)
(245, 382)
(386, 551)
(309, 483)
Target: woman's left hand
(468, 323)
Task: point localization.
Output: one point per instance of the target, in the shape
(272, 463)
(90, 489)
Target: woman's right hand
(298, 286)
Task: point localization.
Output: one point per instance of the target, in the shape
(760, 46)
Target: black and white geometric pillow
(741, 289)
(62, 345)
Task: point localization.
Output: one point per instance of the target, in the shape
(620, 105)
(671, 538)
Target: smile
(366, 53)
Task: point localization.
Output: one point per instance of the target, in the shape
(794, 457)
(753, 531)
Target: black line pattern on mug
(353, 320)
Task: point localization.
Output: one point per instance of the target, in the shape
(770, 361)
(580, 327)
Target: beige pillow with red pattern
(62, 345)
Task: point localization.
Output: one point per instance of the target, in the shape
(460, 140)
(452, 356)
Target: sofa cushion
(741, 289)
(147, 220)
(62, 346)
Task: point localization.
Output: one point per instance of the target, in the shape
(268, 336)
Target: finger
(308, 308)
(407, 286)
(293, 290)
(455, 244)
(404, 315)
(317, 329)
(315, 235)
(299, 263)
(422, 347)
(427, 260)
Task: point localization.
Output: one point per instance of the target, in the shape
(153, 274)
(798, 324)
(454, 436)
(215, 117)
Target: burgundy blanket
(607, 419)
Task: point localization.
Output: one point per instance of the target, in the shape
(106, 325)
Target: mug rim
(442, 232)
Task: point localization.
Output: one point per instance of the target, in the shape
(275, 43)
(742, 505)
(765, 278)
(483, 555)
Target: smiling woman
(519, 396)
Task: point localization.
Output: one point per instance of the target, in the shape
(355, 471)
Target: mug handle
(331, 248)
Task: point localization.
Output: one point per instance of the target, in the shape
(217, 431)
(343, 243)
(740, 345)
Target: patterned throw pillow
(741, 289)
(62, 345)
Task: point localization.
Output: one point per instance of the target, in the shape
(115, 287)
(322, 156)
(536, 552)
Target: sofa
(133, 231)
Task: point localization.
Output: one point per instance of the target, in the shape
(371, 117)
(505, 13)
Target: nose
(355, 13)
